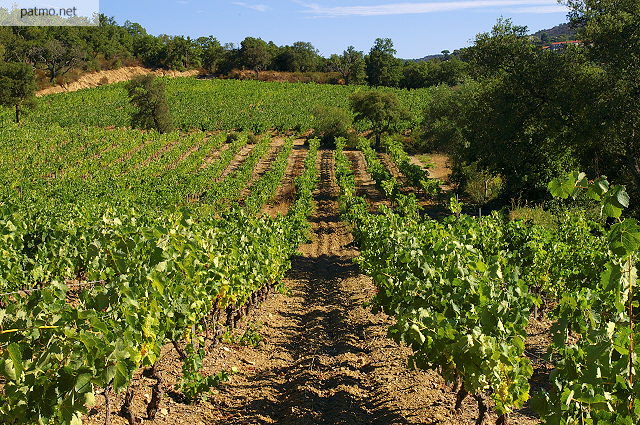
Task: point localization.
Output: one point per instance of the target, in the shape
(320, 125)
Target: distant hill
(562, 32)
(428, 58)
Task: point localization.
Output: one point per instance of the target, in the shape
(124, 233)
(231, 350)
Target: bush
(536, 215)
(232, 137)
(481, 186)
(147, 95)
(252, 139)
(330, 123)
(381, 109)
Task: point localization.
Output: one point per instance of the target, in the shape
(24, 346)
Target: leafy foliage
(462, 291)
(147, 95)
(212, 105)
(17, 85)
(193, 385)
(382, 110)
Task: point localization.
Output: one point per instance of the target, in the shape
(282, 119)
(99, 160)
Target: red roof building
(559, 45)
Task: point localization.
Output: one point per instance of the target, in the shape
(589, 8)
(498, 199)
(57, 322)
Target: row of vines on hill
(210, 105)
(111, 283)
(462, 292)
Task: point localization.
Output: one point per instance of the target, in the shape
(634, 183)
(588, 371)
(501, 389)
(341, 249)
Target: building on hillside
(559, 45)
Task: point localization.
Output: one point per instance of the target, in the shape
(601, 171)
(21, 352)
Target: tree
(501, 50)
(230, 59)
(56, 57)
(381, 109)
(383, 69)
(147, 95)
(149, 49)
(178, 53)
(300, 57)
(350, 64)
(17, 85)
(331, 122)
(518, 118)
(612, 41)
(255, 54)
(431, 73)
(212, 53)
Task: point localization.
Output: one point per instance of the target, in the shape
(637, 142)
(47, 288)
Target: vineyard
(238, 272)
(210, 105)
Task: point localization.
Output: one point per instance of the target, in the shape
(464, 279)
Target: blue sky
(417, 28)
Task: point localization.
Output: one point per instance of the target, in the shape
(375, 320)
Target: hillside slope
(99, 78)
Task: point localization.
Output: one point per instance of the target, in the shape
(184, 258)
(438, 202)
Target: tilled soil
(213, 156)
(325, 357)
(264, 164)
(365, 185)
(286, 191)
(238, 159)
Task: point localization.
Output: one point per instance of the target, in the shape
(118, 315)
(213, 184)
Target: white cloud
(424, 7)
(540, 9)
(258, 7)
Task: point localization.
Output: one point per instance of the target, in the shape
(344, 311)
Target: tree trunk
(633, 162)
(377, 142)
(18, 113)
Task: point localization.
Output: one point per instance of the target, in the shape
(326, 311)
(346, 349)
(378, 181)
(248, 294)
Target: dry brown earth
(100, 78)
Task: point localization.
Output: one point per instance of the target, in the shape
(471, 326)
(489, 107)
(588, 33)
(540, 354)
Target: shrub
(536, 215)
(147, 95)
(330, 123)
(481, 186)
(382, 110)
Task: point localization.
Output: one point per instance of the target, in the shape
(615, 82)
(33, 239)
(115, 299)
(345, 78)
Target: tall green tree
(501, 50)
(350, 64)
(383, 68)
(17, 85)
(255, 54)
(611, 35)
(381, 109)
(179, 53)
(299, 57)
(519, 118)
(147, 95)
(431, 73)
(212, 53)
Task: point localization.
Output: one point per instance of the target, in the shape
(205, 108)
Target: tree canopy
(17, 85)
(381, 109)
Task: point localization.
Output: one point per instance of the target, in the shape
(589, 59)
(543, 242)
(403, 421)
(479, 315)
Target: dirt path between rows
(264, 164)
(286, 193)
(240, 156)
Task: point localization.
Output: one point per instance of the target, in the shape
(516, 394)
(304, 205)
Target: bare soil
(99, 78)
(286, 191)
(441, 168)
(365, 185)
(264, 164)
(238, 159)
